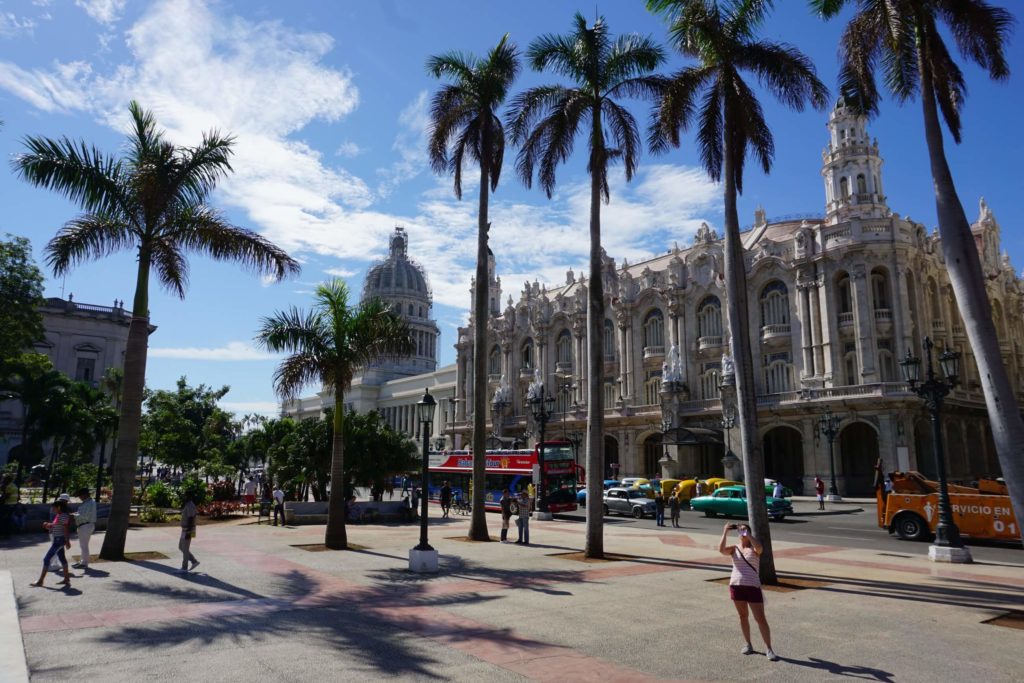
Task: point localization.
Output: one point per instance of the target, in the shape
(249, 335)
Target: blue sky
(329, 104)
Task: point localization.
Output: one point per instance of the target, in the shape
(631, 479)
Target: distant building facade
(835, 301)
(82, 341)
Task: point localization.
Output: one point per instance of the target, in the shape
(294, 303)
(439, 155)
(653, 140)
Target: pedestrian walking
(673, 508)
(446, 500)
(777, 491)
(55, 565)
(745, 585)
(85, 520)
(249, 494)
(506, 514)
(531, 493)
(188, 532)
(60, 540)
(698, 488)
(819, 490)
(524, 520)
(659, 508)
(278, 505)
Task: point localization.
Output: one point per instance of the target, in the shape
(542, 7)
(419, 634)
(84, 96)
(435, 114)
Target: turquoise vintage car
(731, 501)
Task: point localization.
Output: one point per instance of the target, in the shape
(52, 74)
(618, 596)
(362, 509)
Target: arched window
(844, 187)
(778, 376)
(410, 309)
(880, 290)
(609, 339)
(652, 388)
(654, 329)
(774, 304)
(709, 317)
(494, 361)
(862, 184)
(563, 348)
(527, 354)
(710, 381)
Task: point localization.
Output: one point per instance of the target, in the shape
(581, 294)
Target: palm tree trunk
(739, 331)
(336, 536)
(133, 386)
(478, 522)
(965, 274)
(595, 351)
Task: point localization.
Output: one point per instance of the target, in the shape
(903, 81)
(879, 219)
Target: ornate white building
(835, 302)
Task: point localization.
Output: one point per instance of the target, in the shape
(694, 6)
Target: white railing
(775, 330)
(846, 320)
(883, 315)
(958, 330)
(709, 342)
(563, 367)
(938, 326)
(653, 351)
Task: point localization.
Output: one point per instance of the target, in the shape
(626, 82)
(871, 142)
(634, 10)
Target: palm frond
(709, 131)
(81, 173)
(752, 130)
(146, 139)
(631, 57)
(743, 18)
(454, 65)
(295, 331)
(531, 105)
(981, 32)
(625, 132)
(674, 108)
(300, 370)
(87, 238)
(552, 139)
(859, 47)
(828, 9)
(170, 265)
(199, 169)
(785, 71)
(202, 229)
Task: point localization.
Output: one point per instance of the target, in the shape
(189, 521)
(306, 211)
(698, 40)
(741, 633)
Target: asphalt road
(846, 525)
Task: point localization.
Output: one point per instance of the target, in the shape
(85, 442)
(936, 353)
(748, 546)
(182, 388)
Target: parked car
(581, 497)
(732, 502)
(769, 488)
(623, 501)
(630, 482)
(609, 483)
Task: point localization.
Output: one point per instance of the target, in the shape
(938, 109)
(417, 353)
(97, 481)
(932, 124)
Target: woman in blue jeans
(60, 528)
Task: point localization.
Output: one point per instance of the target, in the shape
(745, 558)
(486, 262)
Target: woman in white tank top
(745, 584)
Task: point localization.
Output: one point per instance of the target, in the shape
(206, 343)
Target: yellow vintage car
(685, 486)
(715, 483)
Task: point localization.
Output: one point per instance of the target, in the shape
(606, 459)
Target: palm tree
(545, 121)
(329, 344)
(904, 36)
(152, 201)
(722, 38)
(464, 123)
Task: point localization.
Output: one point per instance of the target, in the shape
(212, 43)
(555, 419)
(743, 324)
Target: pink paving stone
(678, 539)
(42, 622)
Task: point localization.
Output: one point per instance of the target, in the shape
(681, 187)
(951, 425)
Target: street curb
(12, 649)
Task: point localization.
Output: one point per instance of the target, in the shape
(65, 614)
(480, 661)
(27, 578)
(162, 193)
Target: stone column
(804, 290)
(824, 329)
(863, 325)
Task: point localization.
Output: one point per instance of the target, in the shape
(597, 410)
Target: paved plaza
(261, 607)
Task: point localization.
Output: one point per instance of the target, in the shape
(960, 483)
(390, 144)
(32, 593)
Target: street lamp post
(497, 414)
(576, 439)
(542, 405)
(423, 558)
(948, 546)
(566, 389)
(728, 421)
(828, 424)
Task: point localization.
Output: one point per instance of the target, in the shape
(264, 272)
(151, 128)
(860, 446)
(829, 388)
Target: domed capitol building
(835, 302)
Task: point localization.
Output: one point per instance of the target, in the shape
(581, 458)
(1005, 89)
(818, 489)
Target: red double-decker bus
(511, 469)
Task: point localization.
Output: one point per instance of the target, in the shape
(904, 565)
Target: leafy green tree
(465, 123)
(545, 122)
(301, 457)
(153, 202)
(21, 291)
(377, 451)
(186, 428)
(722, 38)
(31, 379)
(329, 344)
(903, 38)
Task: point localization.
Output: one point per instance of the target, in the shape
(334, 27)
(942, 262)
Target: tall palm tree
(545, 122)
(464, 123)
(904, 36)
(722, 38)
(154, 202)
(329, 344)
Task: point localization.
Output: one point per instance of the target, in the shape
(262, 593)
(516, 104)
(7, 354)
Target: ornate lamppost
(542, 405)
(565, 388)
(828, 424)
(728, 421)
(499, 404)
(948, 546)
(576, 439)
(423, 558)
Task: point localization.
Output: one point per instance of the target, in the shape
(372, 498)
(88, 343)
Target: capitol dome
(403, 284)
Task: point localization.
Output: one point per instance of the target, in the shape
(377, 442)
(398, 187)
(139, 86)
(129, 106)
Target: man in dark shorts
(446, 499)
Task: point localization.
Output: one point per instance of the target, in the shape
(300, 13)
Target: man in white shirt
(249, 494)
(86, 522)
(278, 505)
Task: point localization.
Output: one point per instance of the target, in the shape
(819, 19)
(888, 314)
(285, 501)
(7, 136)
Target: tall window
(850, 364)
(609, 339)
(709, 317)
(879, 290)
(494, 361)
(778, 373)
(611, 393)
(527, 353)
(654, 329)
(564, 347)
(710, 381)
(862, 184)
(652, 388)
(844, 188)
(845, 295)
(886, 366)
(85, 370)
(774, 304)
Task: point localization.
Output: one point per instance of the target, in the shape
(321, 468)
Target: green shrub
(159, 495)
(223, 490)
(198, 489)
(153, 515)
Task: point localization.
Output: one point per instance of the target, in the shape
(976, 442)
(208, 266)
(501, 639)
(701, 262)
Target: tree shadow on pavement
(204, 580)
(499, 578)
(837, 669)
(364, 628)
(971, 594)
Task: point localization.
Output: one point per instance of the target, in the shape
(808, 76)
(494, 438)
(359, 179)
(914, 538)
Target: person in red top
(60, 528)
(819, 489)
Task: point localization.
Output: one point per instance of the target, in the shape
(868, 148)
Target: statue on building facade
(672, 368)
(503, 394)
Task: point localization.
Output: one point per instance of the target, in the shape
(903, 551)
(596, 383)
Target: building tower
(851, 168)
(402, 283)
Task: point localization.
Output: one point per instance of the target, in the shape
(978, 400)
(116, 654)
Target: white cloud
(348, 149)
(267, 408)
(103, 11)
(410, 144)
(12, 25)
(340, 272)
(232, 351)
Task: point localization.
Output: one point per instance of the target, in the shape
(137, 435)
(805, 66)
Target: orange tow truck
(911, 509)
